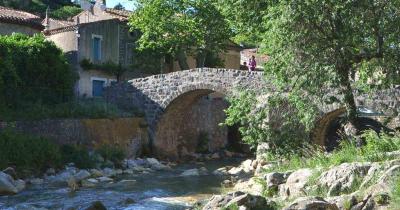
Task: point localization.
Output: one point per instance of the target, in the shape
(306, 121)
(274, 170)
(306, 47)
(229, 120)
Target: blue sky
(129, 5)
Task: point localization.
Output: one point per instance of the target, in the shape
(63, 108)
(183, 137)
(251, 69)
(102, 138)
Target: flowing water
(157, 190)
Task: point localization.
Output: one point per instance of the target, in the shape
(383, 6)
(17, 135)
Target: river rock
(97, 205)
(344, 201)
(105, 179)
(339, 179)
(62, 177)
(10, 171)
(50, 171)
(236, 171)
(295, 183)
(191, 172)
(389, 174)
(275, 178)
(73, 184)
(109, 172)
(81, 175)
(20, 184)
(311, 203)
(7, 186)
(89, 182)
(240, 199)
(215, 156)
(247, 166)
(96, 173)
(36, 181)
(221, 171)
(128, 171)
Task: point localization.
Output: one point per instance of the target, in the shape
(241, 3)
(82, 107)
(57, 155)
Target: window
(96, 47)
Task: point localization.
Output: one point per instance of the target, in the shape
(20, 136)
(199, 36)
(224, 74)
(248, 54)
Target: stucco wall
(67, 41)
(108, 30)
(128, 133)
(85, 81)
(8, 29)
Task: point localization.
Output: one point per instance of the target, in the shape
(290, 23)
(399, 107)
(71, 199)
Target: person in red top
(252, 63)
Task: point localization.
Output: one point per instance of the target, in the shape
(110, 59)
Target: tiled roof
(10, 15)
(55, 23)
(121, 14)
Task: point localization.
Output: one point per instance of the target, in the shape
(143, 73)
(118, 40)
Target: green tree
(181, 28)
(245, 18)
(65, 12)
(316, 45)
(119, 6)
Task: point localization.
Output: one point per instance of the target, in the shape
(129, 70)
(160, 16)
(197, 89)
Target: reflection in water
(158, 190)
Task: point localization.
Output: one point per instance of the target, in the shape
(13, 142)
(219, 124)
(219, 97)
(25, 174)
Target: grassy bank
(31, 155)
(376, 149)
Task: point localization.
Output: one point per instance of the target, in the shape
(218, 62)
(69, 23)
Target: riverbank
(349, 178)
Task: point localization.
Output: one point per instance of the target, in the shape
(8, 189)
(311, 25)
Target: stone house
(15, 21)
(99, 35)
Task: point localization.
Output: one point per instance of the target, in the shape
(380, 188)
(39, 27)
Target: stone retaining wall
(128, 133)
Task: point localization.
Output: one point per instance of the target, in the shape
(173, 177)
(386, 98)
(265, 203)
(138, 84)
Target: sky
(129, 5)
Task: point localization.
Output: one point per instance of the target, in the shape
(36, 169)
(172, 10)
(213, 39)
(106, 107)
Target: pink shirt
(252, 64)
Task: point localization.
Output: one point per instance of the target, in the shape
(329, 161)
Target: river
(155, 191)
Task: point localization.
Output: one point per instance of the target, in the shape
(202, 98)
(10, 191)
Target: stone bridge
(166, 99)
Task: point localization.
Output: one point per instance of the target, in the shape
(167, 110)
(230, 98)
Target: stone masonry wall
(128, 133)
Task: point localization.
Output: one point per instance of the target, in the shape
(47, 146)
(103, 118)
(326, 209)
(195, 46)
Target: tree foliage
(181, 28)
(282, 122)
(32, 70)
(316, 45)
(65, 12)
(245, 18)
(58, 8)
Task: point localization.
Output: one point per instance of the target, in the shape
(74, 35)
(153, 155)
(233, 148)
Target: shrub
(78, 155)
(28, 154)
(112, 153)
(33, 69)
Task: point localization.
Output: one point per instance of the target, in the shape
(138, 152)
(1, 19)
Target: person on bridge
(252, 63)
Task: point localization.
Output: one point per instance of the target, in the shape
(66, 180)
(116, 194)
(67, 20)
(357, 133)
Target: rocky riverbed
(141, 184)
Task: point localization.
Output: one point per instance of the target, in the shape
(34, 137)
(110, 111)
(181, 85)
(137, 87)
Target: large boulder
(275, 178)
(240, 199)
(262, 149)
(342, 178)
(7, 186)
(311, 203)
(296, 183)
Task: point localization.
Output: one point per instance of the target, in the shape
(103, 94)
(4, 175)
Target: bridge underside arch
(191, 122)
(329, 130)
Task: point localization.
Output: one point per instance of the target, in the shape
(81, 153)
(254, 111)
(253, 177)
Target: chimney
(47, 20)
(101, 4)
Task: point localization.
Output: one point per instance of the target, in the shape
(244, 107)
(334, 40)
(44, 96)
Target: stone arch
(214, 87)
(179, 126)
(323, 124)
